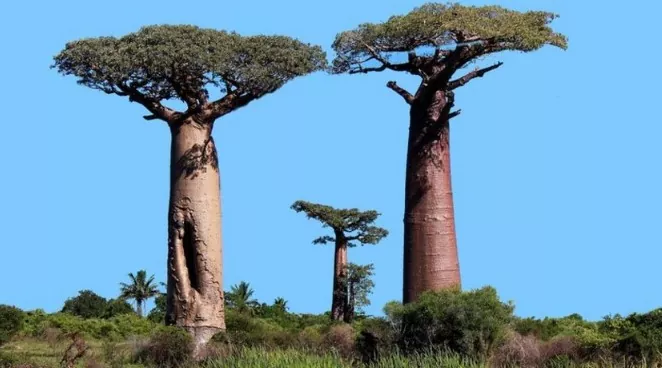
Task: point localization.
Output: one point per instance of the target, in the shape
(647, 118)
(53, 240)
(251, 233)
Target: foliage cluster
(11, 322)
(88, 304)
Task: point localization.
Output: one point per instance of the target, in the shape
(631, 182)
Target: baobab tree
(182, 62)
(439, 40)
(351, 227)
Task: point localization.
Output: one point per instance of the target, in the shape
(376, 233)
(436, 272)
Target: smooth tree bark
(195, 278)
(160, 63)
(457, 36)
(351, 227)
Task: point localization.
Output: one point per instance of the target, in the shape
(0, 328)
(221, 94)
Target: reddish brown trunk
(195, 299)
(430, 248)
(339, 299)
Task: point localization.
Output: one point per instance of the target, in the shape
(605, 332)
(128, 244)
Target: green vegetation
(450, 328)
(11, 322)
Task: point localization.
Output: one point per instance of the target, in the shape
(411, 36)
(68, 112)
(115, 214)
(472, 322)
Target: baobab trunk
(339, 300)
(430, 248)
(195, 299)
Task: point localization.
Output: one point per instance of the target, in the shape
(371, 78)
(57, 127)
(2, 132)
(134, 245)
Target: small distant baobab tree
(434, 42)
(350, 228)
(181, 62)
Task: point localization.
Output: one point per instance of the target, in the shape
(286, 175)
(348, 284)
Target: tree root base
(201, 336)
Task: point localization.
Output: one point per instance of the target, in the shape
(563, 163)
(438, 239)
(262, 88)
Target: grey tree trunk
(195, 278)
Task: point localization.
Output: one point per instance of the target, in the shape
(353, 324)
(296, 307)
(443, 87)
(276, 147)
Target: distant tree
(11, 322)
(116, 307)
(434, 42)
(140, 289)
(87, 304)
(166, 62)
(350, 228)
(158, 313)
(359, 286)
(241, 299)
(280, 304)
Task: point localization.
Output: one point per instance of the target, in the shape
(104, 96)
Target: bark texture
(430, 248)
(339, 300)
(195, 296)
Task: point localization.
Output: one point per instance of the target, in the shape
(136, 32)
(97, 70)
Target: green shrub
(87, 304)
(117, 307)
(169, 347)
(11, 322)
(469, 323)
(158, 313)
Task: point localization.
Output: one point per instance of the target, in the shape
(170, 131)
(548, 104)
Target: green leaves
(352, 224)
(168, 61)
(445, 26)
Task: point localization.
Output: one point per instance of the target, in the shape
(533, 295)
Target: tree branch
(385, 63)
(152, 105)
(475, 74)
(454, 114)
(229, 103)
(401, 91)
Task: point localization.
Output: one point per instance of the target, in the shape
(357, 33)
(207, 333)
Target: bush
(517, 351)
(340, 339)
(11, 322)
(117, 307)
(170, 347)
(86, 304)
(120, 326)
(469, 323)
(158, 313)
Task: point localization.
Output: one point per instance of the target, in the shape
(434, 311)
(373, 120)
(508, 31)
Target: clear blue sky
(556, 161)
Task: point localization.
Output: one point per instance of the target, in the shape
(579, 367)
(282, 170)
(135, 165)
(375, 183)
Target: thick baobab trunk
(430, 248)
(195, 297)
(339, 300)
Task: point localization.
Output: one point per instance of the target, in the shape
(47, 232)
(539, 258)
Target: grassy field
(33, 353)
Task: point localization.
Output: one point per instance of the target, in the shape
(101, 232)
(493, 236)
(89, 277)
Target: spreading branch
(385, 64)
(229, 103)
(401, 91)
(474, 74)
(154, 106)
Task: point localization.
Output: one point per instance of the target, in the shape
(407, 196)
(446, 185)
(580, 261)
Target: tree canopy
(441, 34)
(353, 224)
(162, 62)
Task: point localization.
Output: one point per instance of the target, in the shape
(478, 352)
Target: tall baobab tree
(350, 228)
(182, 62)
(434, 42)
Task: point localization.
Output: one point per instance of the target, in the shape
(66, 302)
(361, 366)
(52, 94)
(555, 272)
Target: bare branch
(229, 103)
(474, 74)
(385, 63)
(401, 91)
(454, 114)
(150, 117)
(152, 105)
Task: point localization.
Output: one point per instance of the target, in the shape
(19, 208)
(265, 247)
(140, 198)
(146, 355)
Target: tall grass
(260, 358)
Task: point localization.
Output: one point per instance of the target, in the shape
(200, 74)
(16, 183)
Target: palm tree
(140, 289)
(240, 297)
(280, 304)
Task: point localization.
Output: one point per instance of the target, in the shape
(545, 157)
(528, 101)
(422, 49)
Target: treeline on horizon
(474, 326)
